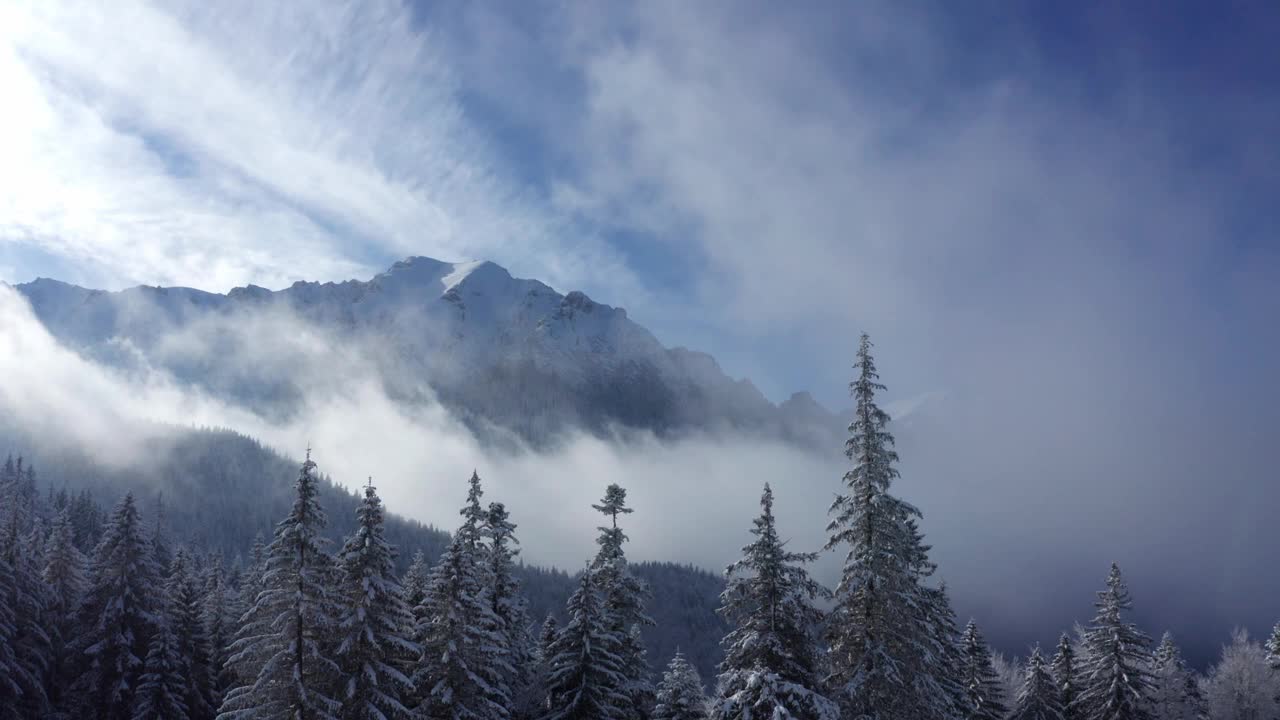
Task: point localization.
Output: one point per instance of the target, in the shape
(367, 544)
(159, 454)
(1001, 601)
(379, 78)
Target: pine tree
(534, 702)
(163, 687)
(509, 606)
(29, 599)
(1273, 648)
(1064, 677)
(885, 660)
(10, 689)
(219, 624)
(186, 622)
(624, 601)
(374, 622)
(1114, 682)
(1038, 699)
(283, 643)
(117, 617)
(770, 600)
(1175, 694)
(985, 693)
(587, 681)
(415, 580)
(680, 695)
(458, 676)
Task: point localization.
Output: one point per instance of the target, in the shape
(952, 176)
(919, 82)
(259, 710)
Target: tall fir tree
(625, 597)
(117, 617)
(680, 695)
(415, 580)
(1114, 680)
(1175, 693)
(986, 700)
(284, 642)
(219, 625)
(10, 689)
(509, 606)
(29, 598)
(459, 674)
(184, 601)
(586, 680)
(374, 623)
(884, 655)
(163, 687)
(534, 703)
(1065, 677)
(770, 601)
(1038, 699)
(1273, 648)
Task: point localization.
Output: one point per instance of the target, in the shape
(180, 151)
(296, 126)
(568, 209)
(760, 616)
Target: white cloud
(218, 144)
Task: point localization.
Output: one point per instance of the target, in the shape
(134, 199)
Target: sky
(1057, 221)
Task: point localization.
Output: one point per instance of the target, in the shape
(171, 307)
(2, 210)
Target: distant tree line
(106, 616)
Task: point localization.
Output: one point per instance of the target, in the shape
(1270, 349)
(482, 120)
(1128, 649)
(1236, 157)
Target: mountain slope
(509, 356)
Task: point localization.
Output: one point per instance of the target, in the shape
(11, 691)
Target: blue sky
(1058, 220)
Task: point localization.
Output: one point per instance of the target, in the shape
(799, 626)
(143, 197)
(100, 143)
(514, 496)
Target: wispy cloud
(216, 144)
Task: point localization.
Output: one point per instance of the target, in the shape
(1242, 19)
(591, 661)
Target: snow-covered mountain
(504, 353)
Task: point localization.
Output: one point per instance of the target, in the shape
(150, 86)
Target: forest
(111, 614)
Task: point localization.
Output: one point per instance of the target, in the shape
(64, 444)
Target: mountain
(511, 357)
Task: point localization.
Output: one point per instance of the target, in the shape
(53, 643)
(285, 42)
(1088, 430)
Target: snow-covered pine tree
(1242, 686)
(219, 625)
(680, 695)
(1273, 648)
(624, 597)
(374, 622)
(1175, 694)
(769, 599)
(116, 617)
(415, 580)
(283, 646)
(1065, 677)
(985, 692)
(884, 659)
(1038, 699)
(1114, 681)
(28, 598)
(534, 703)
(10, 690)
(160, 537)
(586, 680)
(459, 674)
(162, 688)
(186, 623)
(509, 606)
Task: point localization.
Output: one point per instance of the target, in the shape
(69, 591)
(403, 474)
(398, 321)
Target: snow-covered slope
(500, 351)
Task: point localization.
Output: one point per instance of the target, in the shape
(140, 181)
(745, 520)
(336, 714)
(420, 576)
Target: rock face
(510, 356)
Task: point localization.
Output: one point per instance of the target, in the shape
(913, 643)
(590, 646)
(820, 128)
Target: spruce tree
(163, 687)
(509, 606)
(986, 699)
(186, 622)
(374, 622)
(283, 645)
(117, 617)
(680, 695)
(29, 599)
(1038, 699)
(624, 601)
(1114, 681)
(586, 680)
(219, 626)
(534, 703)
(415, 580)
(458, 676)
(1273, 648)
(1065, 678)
(885, 659)
(1175, 694)
(769, 599)
(10, 689)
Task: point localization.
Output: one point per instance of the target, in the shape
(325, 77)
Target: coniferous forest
(106, 614)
